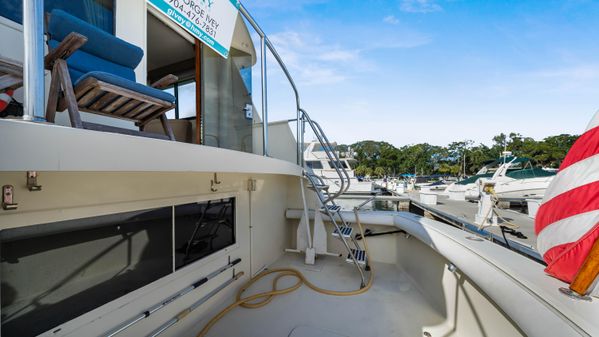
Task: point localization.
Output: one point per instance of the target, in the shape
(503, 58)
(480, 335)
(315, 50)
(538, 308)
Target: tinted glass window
(343, 164)
(202, 229)
(314, 165)
(319, 148)
(54, 272)
(99, 13)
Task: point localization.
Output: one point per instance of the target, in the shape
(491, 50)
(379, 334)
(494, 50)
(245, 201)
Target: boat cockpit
(145, 192)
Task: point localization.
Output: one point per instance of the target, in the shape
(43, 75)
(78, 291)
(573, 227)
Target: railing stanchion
(33, 65)
(264, 96)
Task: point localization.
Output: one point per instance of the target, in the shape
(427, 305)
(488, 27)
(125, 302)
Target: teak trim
(11, 74)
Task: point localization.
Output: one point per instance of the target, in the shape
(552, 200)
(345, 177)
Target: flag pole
(587, 273)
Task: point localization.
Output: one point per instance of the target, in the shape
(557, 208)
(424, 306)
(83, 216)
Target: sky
(435, 71)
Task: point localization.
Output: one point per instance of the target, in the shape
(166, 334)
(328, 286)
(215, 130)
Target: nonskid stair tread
(319, 187)
(331, 208)
(359, 254)
(346, 231)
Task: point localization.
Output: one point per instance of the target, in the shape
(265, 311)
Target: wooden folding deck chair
(93, 71)
(11, 74)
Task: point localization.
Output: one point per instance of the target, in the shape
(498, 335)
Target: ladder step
(331, 208)
(345, 231)
(319, 187)
(359, 254)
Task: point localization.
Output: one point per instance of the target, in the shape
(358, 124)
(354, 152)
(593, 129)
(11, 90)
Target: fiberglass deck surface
(467, 210)
(392, 307)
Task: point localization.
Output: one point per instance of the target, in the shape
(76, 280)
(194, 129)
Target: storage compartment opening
(202, 229)
(55, 272)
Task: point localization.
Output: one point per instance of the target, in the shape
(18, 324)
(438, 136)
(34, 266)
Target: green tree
(360, 170)
(379, 171)
(453, 159)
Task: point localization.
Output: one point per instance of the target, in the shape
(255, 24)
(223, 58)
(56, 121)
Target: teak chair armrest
(66, 48)
(165, 82)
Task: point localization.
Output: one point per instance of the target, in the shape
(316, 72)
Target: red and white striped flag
(567, 223)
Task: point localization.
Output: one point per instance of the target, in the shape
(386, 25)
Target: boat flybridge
(166, 209)
(323, 168)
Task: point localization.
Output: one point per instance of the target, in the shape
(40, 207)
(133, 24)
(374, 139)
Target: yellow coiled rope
(262, 299)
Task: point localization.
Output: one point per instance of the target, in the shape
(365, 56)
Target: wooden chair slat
(90, 97)
(115, 104)
(11, 67)
(134, 112)
(155, 115)
(132, 104)
(85, 86)
(149, 111)
(11, 73)
(10, 81)
(108, 98)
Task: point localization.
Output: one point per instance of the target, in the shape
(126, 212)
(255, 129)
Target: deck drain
(427, 334)
(474, 238)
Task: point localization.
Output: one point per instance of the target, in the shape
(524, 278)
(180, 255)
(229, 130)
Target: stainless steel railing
(331, 154)
(265, 43)
(302, 116)
(33, 65)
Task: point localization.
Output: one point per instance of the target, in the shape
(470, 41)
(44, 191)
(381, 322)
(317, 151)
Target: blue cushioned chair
(93, 71)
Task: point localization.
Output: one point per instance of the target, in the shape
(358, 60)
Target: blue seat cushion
(99, 43)
(125, 83)
(81, 62)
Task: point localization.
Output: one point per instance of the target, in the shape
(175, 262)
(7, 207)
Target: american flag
(567, 223)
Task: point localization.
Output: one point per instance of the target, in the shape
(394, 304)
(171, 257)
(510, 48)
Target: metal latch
(32, 181)
(251, 185)
(248, 111)
(213, 183)
(7, 198)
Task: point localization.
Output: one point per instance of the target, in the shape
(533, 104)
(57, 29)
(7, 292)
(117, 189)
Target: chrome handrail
(326, 145)
(302, 115)
(265, 42)
(337, 161)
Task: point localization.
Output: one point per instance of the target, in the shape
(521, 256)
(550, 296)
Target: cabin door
(171, 50)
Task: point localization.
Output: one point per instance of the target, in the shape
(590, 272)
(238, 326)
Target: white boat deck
(392, 307)
(466, 211)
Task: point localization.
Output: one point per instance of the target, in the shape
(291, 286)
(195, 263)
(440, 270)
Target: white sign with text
(210, 21)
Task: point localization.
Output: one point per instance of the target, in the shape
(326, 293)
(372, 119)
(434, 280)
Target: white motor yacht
(319, 163)
(175, 216)
(516, 179)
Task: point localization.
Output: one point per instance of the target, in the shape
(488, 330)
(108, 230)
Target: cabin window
(99, 13)
(202, 229)
(343, 163)
(54, 272)
(184, 93)
(314, 165)
(320, 148)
